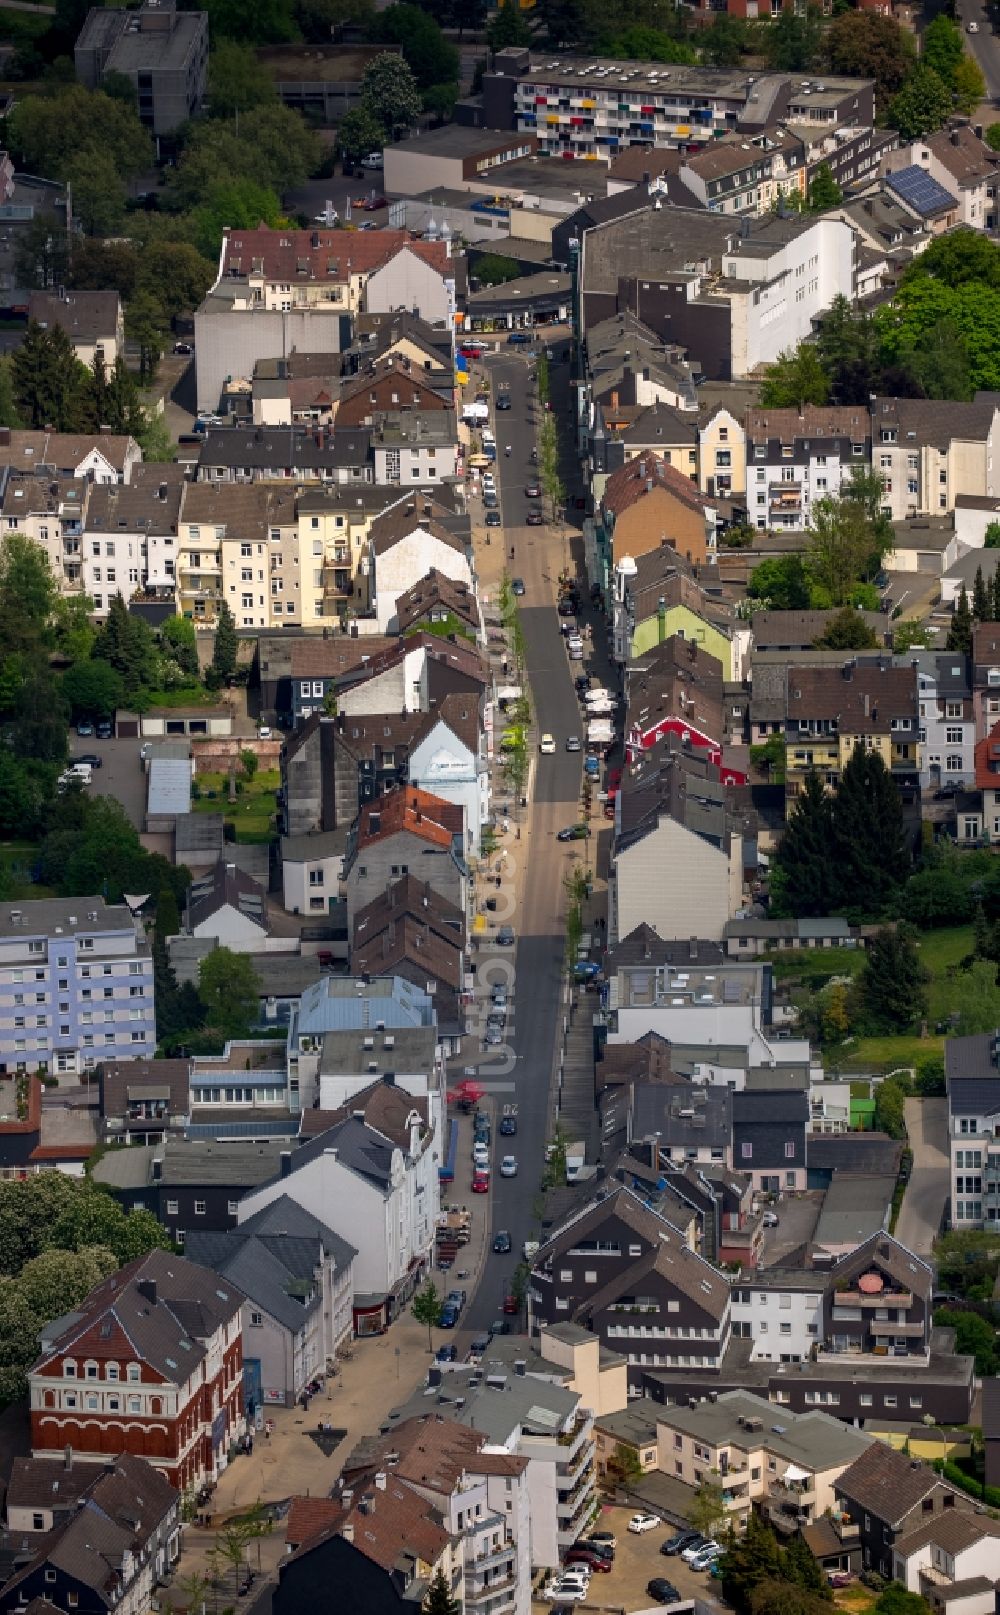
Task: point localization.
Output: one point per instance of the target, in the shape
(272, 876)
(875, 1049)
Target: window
(256, 1319)
(789, 1150)
(134, 1373)
(746, 1152)
(890, 1400)
(38, 1522)
(199, 1208)
(111, 1372)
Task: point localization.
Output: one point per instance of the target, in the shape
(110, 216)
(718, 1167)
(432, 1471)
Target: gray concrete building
(163, 51)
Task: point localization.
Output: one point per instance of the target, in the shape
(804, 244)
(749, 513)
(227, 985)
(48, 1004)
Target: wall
(397, 569)
(229, 342)
(658, 516)
(696, 899)
(766, 1311)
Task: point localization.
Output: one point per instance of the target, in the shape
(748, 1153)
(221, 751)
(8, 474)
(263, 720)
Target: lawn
(190, 695)
(253, 812)
(889, 1053)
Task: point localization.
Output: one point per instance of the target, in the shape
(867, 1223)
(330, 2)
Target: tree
(938, 360)
(51, 132)
(794, 40)
(226, 643)
(707, 1511)
(492, 269)
(960, 627)
(969, 86)
(232, 204)
(93, 689)
(267, 22)
(178, 635)
(426, 1308)
(799, 1565)
(991, 540)
(867, 845)
(237, 81)
(548, 464)
(847, 631)
(439, 1600)
(865, 44)
(847, 343)
(28, 594)
(795, 378)
(893, 982)
(974, 1337)
(48, 379)
(803, 881)
(98, 192)
(824, 192)
(508, 26)
(722, 44)
(230, 989)
(389, 90)
(910, 636)
(41, 252)
(248, 759)
(127, 643)
(922, 105)
(992, 136)
(748, 1561)
(980, 598)
(358, 133)
(782, 1597)
(168, 919)
(626, 1463)
(942, 46)
(176, 273)
(780, 585)
(845, 544)
(146, 325)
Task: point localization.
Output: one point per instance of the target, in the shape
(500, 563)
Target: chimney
(347, 1532)
(68, 1457)
(693, 948)
(661, 620)
(147, 1289)
(380, 1480)
(286, 1163)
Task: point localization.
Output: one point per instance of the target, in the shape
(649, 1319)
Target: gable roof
(409, 898)
(424, 515)
(887, 1253)
(324, 256)
(646, 473)
(889, 1484)
(227, 886)
(430, 818)
(84, 316)
(862, 697)
(952, 1531)
(383, 1106)
(436, 592)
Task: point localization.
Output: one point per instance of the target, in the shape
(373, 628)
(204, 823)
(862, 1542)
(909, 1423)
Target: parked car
(707, 1557)
(490, 500)
(448, 1318)
(534, 518)
(518, 339)
(501, 1242)
(663, 1591)
(480, 1183)
(493, 1037)
(606, 1539)
(573, 743)
(593, 1561)
(770, 1219)
(839, 1578)
(446, 1354)
(711, 1548)
(572, 832)
(684, 1539)
(547, 745)
(505, 936)
(493, 518)
(564, 1592)
(92, 759)
(511, 1305)
(104, 729)
(517, 587)
(639, 1524)
(84, 728)
(592, 767)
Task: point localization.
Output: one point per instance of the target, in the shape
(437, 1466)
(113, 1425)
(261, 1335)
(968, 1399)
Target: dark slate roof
(887, 1483)
(227, 884)
(990, 1417)
(682, 1113)
(643, 946)
(881, 1250)
(122, 1080)
(266, 1274)
(768, 1108)
(854, 1152)
(972, 1074)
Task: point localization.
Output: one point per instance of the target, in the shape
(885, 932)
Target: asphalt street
(539, 923)
(983, 44)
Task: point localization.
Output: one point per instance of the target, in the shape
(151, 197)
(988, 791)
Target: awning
(794, 1473)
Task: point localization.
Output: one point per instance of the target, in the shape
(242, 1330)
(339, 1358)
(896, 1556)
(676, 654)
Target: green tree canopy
(93, 689)
(359, 132)
(723, 42)
(51, 132)
(780, 584)
(389, 88)
(969, 86)
(866, 44)
(847, 631)
(226, 645)
(229, 988)
(824, 192)
(868, 847)
(237, 80)
(48, 380)
(509, 26)
(942, 46)
(795, 378)
(923, 103)
(795, 39)
(802, 880)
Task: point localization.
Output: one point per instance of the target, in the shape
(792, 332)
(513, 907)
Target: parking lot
(120, 774)
(637, 1560)
(797, 1219)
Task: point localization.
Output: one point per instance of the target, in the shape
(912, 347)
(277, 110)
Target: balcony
(490, 1591)
(800, 1492)
(485, 1561)
(883, 1298)
(785, 498)
(911, 1331)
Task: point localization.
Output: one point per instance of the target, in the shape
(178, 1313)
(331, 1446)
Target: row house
(735, 176)
(407, 833)
(890, 1496)
(150, 1363)
(414, 538)
(296, 454)
(796, 457)
(89, 456)
(49, 509)
(416, 450)
(831, 711)
(646, 503)
(985, 677)
(334, 528)
(409, 931)
(658, 597)
(676, 689)
(928, 452)
(978, 815)
(130, 537)
(389, 385)
(960, 161)
(722, 454)
(947, 731)
(972, 1075)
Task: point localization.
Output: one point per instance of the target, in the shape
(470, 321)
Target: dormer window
(134, 1373)
(69, 1369)
(111, 1372)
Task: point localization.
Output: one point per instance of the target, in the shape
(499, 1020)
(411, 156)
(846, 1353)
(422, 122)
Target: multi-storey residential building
(50, 511)
(947, 723)
(93, 322)
(769, 1138)
(579, 107)
(927, 453)
(334, 528)
(878, 1304)
(421, 449)
(722, 454)
(959, 160)
(483, 1494)
(646, 503)
(113, 1535)
(732, 176)
(796, 457)
(162, 51)
(780, 1311)
(144, 1100)
(129, 539)
(76, 985)
(985, 677)
(972, 1073)
(830, 711)
(788, 1470)
(96, 457)
(408, 541)
(658, 597)
(408, 833)
(151, 1363)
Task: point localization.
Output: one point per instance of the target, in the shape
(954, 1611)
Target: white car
(973, 27)
(264, 732)
(508, 1166)
(639, 1524)
(770, 1219)
(480, 1155)
(547, 746)
(565, 1592)
(701, 1550)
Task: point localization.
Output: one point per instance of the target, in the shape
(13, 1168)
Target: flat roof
(459, 140)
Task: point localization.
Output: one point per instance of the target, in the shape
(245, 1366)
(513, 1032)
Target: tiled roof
(885, 1252)
(84, 316)
(122, 1080)
(311, 1517)
(862, 698)
(991, 1409)
(887, 1483)
(64, 451)
(632, 481)
(951, 1531)
(305, 256)
(418, 514)
(673, 1260)
(988, 761)
(438, 592)
(384, 1107)
(925, 421)
(430, 817)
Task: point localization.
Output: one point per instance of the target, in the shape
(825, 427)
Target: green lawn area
(970, 995)
(190, 695)
(252, 813)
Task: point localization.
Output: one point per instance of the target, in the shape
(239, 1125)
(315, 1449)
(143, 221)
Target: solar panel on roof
(915, 186)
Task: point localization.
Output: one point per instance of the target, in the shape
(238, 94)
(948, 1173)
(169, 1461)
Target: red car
(471, 350)
(371, 204)
(480, 1183)
(510, 1305)
(593, 1561)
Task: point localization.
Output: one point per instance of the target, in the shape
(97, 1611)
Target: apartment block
(796, 457)
(76, 985)
(972, 1074)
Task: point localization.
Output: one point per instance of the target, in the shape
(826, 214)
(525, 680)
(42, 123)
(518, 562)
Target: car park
(92, 759)
(607, 1539)
(508, 1166)
(663, 1591)
(84, 728)
(711, 1548)
(501, 1242)
(684, 1539)
(568, 1592)
(639, 1524)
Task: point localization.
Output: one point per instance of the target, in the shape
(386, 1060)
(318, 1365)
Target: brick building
(150, 1363)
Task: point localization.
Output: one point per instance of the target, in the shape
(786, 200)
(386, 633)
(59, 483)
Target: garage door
(127, 728)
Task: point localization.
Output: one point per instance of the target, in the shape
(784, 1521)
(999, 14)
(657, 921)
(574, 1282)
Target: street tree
(237, 80)
(942, 46)
(426, 1308)
(548, 464)
(921, 105)
(969, 86)
(229, 988)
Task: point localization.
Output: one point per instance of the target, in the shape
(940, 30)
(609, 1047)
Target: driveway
(930, 1181)
(797, 1219)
